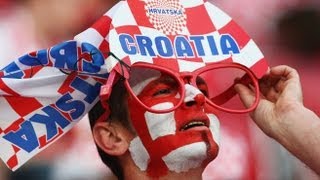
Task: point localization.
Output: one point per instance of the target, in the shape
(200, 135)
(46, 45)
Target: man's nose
(193, 96)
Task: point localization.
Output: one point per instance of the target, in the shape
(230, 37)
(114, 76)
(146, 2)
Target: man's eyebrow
(165, 79)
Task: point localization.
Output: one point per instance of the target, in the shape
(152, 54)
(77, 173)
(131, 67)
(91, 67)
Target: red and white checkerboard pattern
(213, 22)
(27, 98)
(201, 17)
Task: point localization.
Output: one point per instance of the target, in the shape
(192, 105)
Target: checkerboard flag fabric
(43, 94)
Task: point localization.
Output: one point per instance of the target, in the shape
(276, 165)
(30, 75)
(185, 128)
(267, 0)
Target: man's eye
(162, 92)
(204, 92)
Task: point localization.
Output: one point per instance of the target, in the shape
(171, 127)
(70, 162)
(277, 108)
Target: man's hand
(281, 114)
(281, 97)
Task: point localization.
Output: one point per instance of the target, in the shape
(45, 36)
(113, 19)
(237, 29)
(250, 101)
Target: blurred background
(287, 32)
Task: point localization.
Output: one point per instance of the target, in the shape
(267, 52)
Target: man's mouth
(194, 125)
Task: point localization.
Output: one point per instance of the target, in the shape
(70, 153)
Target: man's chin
(212, 146)
(194, 155)
(212, 153)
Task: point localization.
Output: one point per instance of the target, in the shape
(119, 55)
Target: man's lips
(194, 124)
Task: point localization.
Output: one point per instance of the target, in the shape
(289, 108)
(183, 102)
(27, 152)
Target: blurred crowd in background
(287, 32)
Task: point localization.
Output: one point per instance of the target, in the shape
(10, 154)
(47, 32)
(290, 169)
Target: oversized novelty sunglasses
(216, 81)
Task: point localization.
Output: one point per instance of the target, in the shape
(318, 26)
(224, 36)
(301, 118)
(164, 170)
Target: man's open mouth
(194, 124)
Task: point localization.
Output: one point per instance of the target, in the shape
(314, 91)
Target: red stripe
(1, 73)
(130, 29)
(199, 21)
(15, 126)
(104, 48)
(140, 16)
(23, 105)
(169, 63)
(7, 89)
(103, 25)
(12, 162)
(16, 149)
(260, 68)
(65, 87)
(236, 32)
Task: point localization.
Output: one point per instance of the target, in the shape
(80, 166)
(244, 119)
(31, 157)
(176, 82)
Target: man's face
(176, 141)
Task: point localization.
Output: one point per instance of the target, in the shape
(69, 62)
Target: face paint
(176, 141)
(139, 153)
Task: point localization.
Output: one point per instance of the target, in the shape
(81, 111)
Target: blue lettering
(183, 47)
(198, 44)
(145, 45)
(128, 44)
(228, 44)
(13, 70)
(65, 55)
(91, 92)
(164, 46)
(66, 104)
(54, 117)
(40, 59)
(97, 58)
(25, 137)
(212, 45)
(165, 11)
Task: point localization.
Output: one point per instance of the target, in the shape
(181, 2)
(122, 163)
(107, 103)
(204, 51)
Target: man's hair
(118, 113)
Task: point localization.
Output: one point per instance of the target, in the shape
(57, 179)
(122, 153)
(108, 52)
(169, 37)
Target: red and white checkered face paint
(176, 141)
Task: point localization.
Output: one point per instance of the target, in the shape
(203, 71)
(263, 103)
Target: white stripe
(45, 86)
(139, 154)
(8, 115)
(161, 124)
(214, 128)
(121, 19)
(249, 55)
(189, 66)
(218, 17)
(191, 4)
(186, 157)
(6, 149)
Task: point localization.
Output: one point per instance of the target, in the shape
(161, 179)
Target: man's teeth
(192, 124)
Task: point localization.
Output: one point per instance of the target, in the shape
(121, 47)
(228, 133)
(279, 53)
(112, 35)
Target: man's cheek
(161, 124)
(137, 116)
(214, 127)
(211, 110)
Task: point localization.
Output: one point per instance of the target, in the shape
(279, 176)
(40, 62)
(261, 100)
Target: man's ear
(112, 138)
